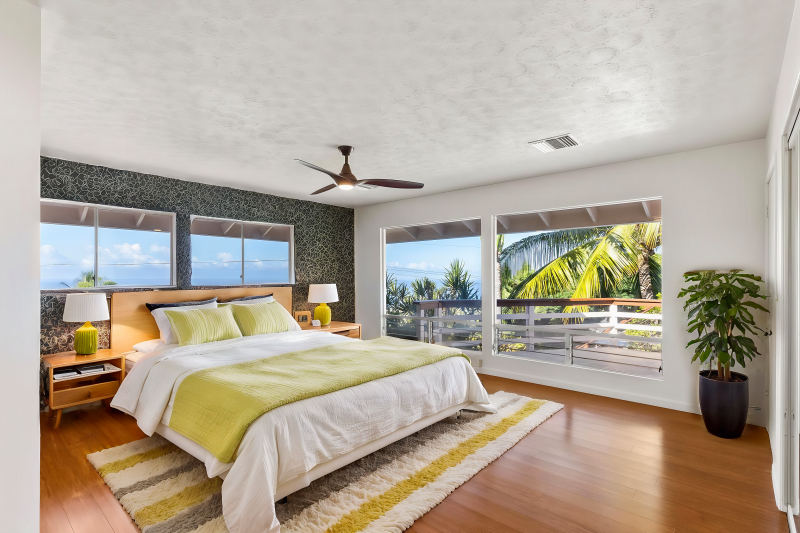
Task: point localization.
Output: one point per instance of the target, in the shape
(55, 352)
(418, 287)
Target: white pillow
(264, 300)
(165, 326)
(149, 346)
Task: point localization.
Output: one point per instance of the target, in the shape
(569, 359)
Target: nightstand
(348, 329)
(80, 389)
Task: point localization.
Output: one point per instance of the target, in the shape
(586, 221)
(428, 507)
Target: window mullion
(96, 245)
(241, 233)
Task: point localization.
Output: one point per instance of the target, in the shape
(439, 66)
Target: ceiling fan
(345, 179)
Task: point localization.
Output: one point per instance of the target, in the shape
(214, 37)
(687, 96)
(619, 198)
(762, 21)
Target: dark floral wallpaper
(324, 234)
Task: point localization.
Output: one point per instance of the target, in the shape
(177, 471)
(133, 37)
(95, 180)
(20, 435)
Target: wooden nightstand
(79, 389)
(348, 329)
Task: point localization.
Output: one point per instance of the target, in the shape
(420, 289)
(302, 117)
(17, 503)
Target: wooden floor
(599, 465)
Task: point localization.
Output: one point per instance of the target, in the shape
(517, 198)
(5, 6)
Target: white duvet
(291, 440)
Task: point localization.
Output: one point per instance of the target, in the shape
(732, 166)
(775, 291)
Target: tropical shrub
(86, 279)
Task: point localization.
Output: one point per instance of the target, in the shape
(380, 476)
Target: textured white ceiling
(448, 92)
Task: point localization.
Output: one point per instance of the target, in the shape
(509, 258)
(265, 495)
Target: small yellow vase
(86, 339)
(323, 314)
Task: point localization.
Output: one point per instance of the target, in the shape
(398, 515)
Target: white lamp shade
(85, 307)
(322, 293)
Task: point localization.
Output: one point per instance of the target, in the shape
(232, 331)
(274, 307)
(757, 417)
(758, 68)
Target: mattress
(131, 359)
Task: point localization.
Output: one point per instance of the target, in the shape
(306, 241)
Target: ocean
(50, 284)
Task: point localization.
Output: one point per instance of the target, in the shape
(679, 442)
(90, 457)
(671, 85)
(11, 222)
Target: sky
(408, 261)
(141, 258)
(133, 257)
(217, 261)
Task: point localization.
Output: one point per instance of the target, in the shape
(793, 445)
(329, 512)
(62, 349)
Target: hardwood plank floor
(599, 465)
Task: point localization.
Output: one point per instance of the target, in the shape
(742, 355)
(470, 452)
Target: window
(232, 252)
(582, 287)
(433, 284)
(125, 247)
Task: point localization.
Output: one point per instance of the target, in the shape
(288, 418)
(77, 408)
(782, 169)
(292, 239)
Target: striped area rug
(166, 490)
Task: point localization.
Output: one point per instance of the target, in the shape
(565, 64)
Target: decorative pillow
(153, 307)
(149, 346)
(247, 298)
(200, 326)
(263, 318)
(163, 323)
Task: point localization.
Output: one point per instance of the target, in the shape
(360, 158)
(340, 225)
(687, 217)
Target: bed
(284, 449)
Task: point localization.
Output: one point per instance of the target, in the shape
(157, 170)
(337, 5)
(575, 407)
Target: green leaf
(756, 306)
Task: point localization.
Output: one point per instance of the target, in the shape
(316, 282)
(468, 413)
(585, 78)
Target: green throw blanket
(214, 407)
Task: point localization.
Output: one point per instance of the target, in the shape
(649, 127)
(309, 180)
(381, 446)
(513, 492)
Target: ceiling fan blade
(333, 175)
(325, 188)
(393, 184)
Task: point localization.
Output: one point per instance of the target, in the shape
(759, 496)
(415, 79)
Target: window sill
(254, 286)
(109, 288)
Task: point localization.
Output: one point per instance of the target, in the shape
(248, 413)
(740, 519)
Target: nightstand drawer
(64, 398)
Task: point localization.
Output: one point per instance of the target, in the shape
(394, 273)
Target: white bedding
(291, 440)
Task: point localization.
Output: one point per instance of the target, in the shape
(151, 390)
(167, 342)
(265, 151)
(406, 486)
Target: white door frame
(776, 276)
(785, 306)
(792, 349)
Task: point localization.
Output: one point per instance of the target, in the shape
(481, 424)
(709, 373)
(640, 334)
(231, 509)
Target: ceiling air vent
(555, 143)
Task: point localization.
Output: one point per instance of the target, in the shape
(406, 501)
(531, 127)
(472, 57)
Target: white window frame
(430, 320)
(292, 277)
(97, 207)
(497, 327)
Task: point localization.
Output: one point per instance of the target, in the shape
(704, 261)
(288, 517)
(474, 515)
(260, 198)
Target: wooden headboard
(132, 323)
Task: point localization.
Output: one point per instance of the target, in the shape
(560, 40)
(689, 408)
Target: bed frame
(132, 323)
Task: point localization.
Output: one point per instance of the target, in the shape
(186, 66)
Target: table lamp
(322, 294)
(85, 307)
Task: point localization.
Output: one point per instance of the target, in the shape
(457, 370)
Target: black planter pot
(724, 404)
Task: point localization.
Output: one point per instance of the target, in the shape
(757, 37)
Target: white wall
(19, 239)
(713, 215)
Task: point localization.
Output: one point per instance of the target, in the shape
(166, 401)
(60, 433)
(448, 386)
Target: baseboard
(599, 391)
(752, 418)
(777, 483)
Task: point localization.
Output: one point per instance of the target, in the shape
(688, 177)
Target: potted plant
(720, 308)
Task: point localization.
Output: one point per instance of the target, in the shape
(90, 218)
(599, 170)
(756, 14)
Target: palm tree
(398, 299)
(501, 240)
(591, 262)
(648, 239)
(425, 289)
(508, 280)
(86, 279)
(457, 283)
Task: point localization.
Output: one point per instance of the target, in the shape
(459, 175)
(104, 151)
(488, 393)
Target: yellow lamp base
(323, 314)
(86, 339)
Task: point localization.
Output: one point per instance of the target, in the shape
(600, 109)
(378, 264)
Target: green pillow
(259, 319)
(200, 326)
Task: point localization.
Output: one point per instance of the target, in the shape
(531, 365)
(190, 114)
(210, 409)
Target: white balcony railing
(626, 337)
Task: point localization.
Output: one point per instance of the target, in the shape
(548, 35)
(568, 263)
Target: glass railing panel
(407, 328)
(464, 335)
(547, 346)
(636, 357)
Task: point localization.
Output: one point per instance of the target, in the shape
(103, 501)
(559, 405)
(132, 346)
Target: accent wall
(324, 234)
